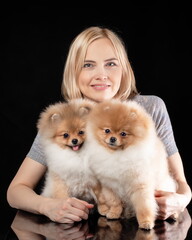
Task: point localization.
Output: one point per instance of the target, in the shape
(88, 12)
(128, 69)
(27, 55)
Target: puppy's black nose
(113, 139)
(74, 141)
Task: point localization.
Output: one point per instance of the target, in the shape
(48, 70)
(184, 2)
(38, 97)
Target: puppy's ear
(133, 114)
(55, 118)
(106, 108)
(47, 120)
(84, 110)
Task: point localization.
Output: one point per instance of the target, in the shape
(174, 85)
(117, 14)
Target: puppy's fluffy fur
(62, 131)
(128, 158)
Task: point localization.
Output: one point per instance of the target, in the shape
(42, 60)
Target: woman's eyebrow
(89, 61)
(107, 60)
(111, 59)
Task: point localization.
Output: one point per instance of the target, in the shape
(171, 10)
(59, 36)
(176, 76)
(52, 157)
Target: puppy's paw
(103, 209)
(147, 225)
(113, 215)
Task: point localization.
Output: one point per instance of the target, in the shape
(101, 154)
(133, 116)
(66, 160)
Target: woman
(97, 68)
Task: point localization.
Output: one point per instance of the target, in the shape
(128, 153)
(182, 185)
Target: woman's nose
(101, 77)
(101, 74)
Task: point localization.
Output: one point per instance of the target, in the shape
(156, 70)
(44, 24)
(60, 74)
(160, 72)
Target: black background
(34, 44)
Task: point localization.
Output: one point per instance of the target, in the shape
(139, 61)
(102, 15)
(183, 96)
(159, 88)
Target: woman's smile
(100, 86)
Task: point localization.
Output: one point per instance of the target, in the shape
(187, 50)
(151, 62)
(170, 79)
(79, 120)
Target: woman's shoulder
(149, 101)
(152, 103)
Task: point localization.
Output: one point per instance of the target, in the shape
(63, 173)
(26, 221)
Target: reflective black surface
(30, 226)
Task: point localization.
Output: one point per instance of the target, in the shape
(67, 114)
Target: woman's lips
(100, 86)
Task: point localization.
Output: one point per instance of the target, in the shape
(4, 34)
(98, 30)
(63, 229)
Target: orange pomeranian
(128, 158)
(62, 132)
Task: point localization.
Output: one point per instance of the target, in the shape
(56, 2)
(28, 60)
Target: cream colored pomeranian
(129, 160)
(62, 132)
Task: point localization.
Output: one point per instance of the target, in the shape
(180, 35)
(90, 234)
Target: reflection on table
(27, 226)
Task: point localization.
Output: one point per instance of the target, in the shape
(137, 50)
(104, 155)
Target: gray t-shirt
(154, 105)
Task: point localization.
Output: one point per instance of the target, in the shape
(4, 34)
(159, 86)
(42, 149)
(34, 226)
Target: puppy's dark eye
(65, 135)
(123, 134)
(107, 130)
(81, 132)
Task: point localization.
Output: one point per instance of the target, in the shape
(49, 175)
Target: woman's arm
(171, 203)
(21, 195)
(176, 168)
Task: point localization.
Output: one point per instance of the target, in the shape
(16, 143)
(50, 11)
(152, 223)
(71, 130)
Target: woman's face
(101, 73)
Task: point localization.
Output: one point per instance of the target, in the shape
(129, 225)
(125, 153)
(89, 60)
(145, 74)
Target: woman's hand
(169, 203)
(66, 211)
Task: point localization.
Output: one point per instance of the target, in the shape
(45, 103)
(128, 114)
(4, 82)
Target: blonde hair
(76, 57)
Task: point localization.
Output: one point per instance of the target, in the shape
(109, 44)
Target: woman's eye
(87, 65)
(111, 64)
(81, 132)
(65, 135)
(123, 134)
(107, 131)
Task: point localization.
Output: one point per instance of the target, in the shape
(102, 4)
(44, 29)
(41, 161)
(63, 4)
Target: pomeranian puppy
(62, 132)
(128, 158)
